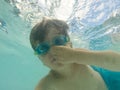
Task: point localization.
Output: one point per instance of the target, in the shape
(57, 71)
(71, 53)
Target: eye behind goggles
(44, 47)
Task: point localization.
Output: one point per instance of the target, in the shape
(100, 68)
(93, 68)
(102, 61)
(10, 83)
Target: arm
(106, 59)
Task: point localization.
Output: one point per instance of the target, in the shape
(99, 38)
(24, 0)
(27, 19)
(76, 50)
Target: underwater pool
(93, 25)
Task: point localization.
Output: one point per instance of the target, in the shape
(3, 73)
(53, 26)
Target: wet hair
(40, 30)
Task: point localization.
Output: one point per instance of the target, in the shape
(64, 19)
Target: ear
(69, 44)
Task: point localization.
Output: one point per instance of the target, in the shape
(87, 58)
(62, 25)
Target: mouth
(53, 60)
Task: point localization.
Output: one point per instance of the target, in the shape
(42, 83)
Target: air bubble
(3, 26)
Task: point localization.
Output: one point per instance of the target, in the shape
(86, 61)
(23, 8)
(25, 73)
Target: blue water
(20, 69)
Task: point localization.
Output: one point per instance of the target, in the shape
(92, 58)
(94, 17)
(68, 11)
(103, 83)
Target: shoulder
(44, 84)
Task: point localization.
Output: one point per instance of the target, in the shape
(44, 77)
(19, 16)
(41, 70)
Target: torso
(81, 81)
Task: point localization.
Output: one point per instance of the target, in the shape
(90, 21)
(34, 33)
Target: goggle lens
(60, 40)
(43, 48)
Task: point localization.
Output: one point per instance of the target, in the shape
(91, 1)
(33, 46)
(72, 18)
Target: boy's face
(48, 58)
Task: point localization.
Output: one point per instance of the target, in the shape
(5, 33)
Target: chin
(51, 63)
(55, 66)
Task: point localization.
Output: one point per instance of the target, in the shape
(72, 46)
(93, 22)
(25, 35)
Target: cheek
(44, 58)
(46, 61)
(41, 58)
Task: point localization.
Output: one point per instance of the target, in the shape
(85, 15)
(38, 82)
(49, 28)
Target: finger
(57, 48)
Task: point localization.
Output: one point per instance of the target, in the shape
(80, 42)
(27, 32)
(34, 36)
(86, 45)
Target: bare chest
(88, 83)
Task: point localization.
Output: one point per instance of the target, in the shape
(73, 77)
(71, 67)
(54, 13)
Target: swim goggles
(44, 47)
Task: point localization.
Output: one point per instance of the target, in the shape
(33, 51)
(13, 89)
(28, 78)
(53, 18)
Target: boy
(70, 67)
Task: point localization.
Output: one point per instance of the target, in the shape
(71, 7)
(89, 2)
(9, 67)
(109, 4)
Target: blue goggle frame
(44, 47)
